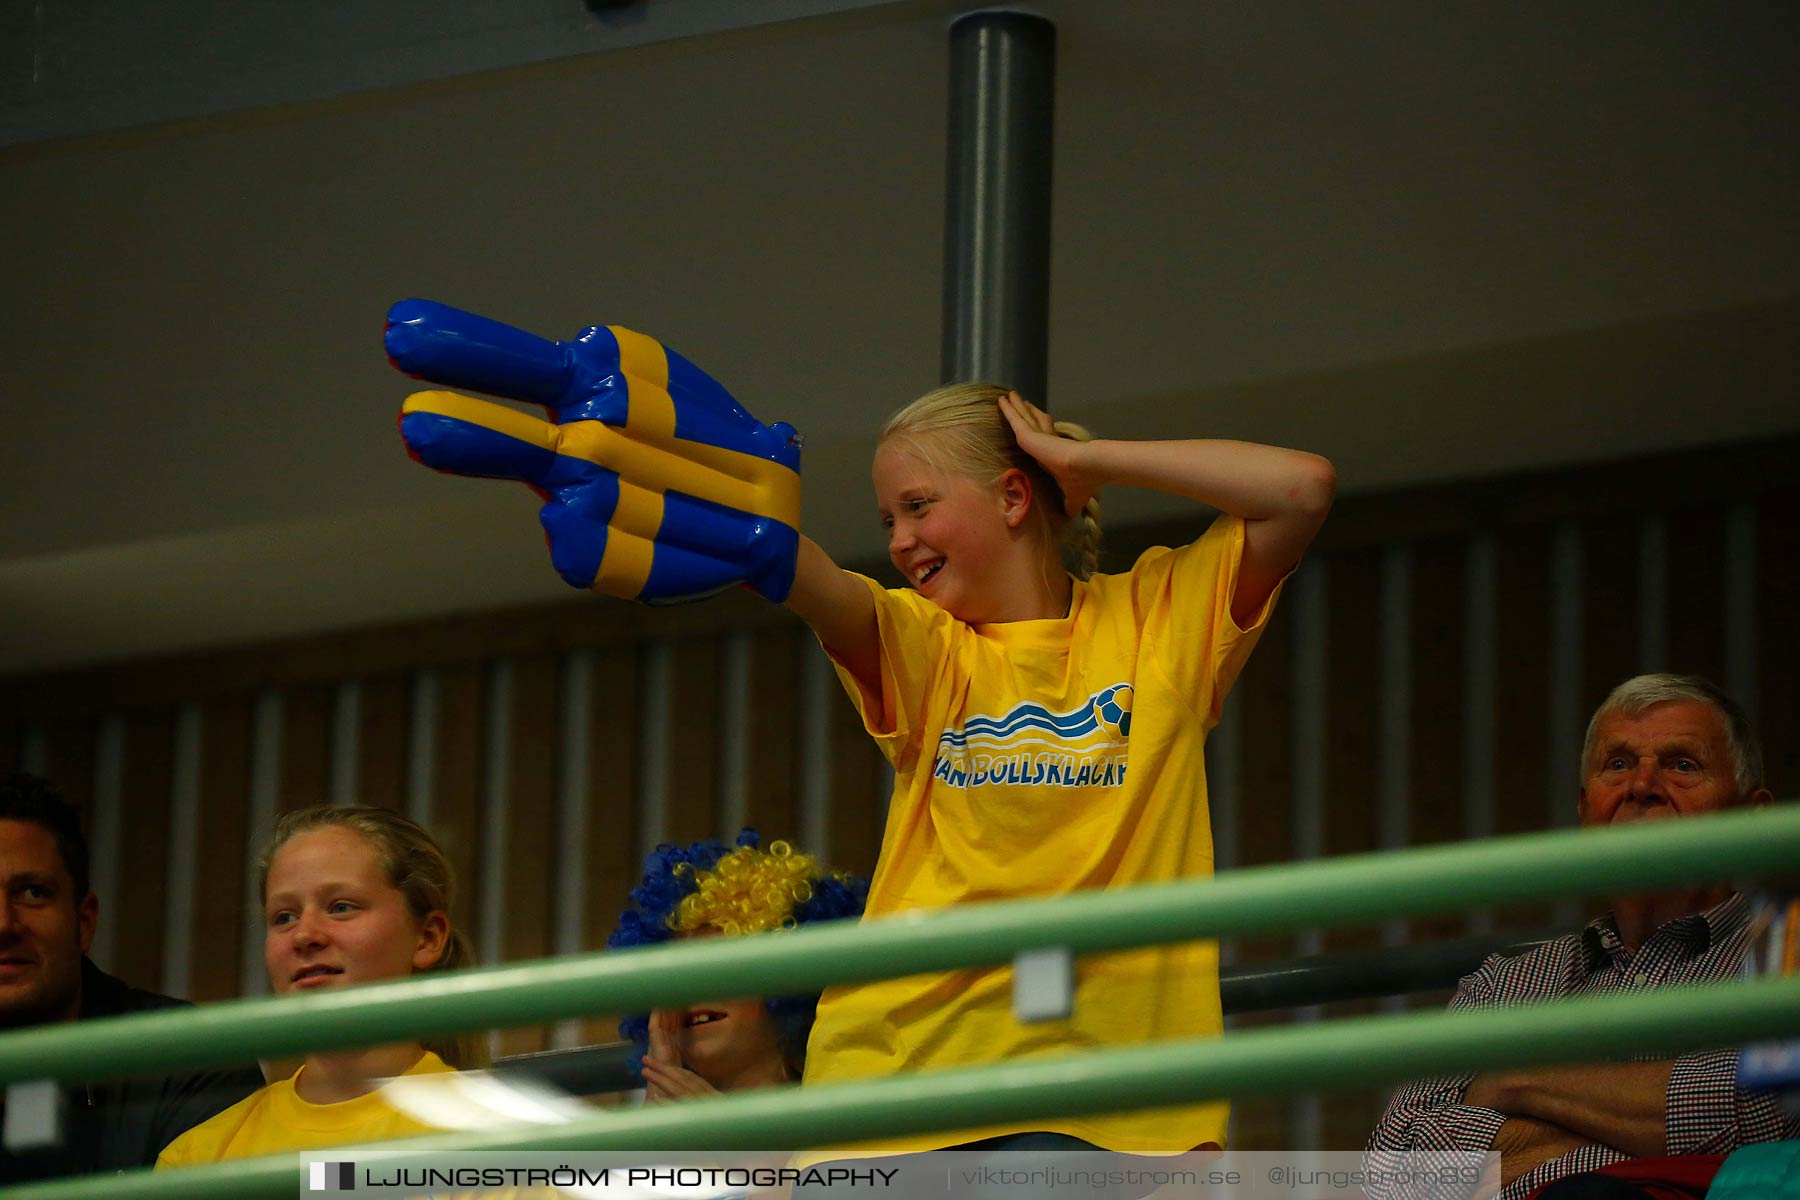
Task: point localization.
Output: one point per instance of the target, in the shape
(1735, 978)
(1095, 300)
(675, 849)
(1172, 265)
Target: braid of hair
(1081, 537)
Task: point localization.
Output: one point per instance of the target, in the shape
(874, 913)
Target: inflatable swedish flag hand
(658, 486)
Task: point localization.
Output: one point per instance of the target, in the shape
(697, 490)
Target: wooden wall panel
(1778, 649)
(70, 753)
(1697, 592)
(137, 912)
(613, 865)
(773, 800)
(1521, 725)
(1610, 608)
(222, 852)
(1353, 682)
(859, 791)
(1439, 769)
(383, 741)
(305, 748)
(534, 737)
(1264, 712)
(692, 809)
(460, 754)
(613, 822)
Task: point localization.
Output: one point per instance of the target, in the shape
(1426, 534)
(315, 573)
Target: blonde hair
(414, 866)
(960, 428)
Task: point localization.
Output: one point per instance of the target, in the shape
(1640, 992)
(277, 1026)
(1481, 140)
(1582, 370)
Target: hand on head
(1059, 456)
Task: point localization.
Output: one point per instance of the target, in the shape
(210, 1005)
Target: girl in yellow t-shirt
(351, 895)
(1045, 724)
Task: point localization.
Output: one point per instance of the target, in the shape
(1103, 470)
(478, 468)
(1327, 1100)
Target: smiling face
(1673, 760)
(335, 920)
(731, 1043)
(959, 543)
(45, 928)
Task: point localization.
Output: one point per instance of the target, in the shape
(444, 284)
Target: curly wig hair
(736, 890)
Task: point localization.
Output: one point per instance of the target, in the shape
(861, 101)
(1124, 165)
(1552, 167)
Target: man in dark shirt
(47, 918)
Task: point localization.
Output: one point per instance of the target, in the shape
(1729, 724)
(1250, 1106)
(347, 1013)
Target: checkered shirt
(1707, 1114)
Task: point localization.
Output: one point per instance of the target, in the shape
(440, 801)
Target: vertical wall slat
(1358, 690)
(346, 738)
(183, 868)
(383, 759)
(1697, 593)
(490, 841)
(306, 747)
(736, 698)
(1740, 673)
(71, 748)
(459, 760)
(15, 734)
(1778, 583)
(1616, 610)
(1562, 702)
(1309, 596)
(1441, 773)
(421, 746)
(818, 696)
(34, 748)
(859, 789)
(1652, 595)
(222, 847)
(1522, 678)
(1351, 689)
(1263, 700)
(612, 856)
(1394, 710)
(1481, 691)
(772, 786)
(105, 789)
(139, 903)
(656, 697)
(693, 739)
(529, 814)
(569, 881)
(266, 725)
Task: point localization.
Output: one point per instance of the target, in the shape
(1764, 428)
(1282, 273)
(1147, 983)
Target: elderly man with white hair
(1659, 747)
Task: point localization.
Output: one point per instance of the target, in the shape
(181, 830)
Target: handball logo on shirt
(1030, 746)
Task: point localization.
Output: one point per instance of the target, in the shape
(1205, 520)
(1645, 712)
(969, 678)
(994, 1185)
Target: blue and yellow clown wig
(736, 890)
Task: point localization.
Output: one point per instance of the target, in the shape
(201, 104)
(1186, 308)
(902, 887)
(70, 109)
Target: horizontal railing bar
(1252, 987)
(1357, 1052)
(1368, 887)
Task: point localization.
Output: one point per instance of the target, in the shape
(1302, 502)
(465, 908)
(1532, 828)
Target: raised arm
(840, 610)
(1282, 495)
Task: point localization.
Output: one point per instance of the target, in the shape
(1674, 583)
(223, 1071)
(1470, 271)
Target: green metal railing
(1273, 899)
(1356, 1052)
(1260, 900)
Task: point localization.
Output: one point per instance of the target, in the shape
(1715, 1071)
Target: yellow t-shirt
(276, 1120)
(1037, 758)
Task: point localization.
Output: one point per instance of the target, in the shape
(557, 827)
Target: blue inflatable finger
(660, 486)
